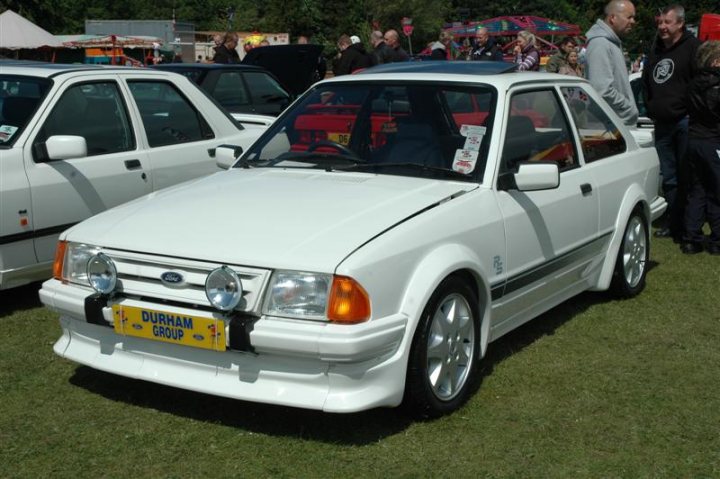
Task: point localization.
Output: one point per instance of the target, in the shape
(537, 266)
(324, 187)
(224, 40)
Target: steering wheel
(341, 148)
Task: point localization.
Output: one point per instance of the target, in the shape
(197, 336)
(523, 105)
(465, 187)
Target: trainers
(691, 248)
(713, 248)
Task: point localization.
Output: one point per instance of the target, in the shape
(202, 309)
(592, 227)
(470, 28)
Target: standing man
(381, 52)
(392, 39)
(226, 53)
(486, 49)
(559, 59)
(352, 57)
(605, 62)
(666, 78)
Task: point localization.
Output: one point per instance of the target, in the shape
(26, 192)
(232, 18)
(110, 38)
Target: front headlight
(325, 297)
(75, 262)
(296, 294)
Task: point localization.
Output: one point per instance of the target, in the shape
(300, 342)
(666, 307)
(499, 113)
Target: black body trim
(554, 265)
(53, 230)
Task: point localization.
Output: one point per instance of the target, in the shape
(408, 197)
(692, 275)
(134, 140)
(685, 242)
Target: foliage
(326, 20)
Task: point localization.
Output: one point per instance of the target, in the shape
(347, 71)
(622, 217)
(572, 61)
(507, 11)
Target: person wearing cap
(352, 57)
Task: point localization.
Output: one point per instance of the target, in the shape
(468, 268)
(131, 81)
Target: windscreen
(416, 129)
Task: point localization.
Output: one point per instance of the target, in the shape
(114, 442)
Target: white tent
(16, 32)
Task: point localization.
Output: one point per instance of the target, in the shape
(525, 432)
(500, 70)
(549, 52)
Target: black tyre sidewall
(620, 287)
(419, 396)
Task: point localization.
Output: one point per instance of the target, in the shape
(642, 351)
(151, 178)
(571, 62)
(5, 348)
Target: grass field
(594, 388)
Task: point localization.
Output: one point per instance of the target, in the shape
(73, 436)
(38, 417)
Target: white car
(76, 140)
(370, 245)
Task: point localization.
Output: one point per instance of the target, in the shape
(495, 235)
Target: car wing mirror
(537, 176)
(225, 155)
(62, 147)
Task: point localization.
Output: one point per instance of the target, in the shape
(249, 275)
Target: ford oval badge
(172, 279)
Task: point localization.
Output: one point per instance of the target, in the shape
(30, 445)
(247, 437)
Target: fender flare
(437, 265)
(634, 196)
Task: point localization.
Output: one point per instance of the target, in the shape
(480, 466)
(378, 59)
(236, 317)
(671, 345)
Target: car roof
(441, 66)
(500, 74)
(206, 66)
(49, 70)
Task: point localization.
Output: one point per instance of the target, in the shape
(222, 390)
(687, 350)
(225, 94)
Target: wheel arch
(441, 263)
(633, 200)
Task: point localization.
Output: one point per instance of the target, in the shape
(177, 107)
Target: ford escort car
(78, 139)
(367, 249)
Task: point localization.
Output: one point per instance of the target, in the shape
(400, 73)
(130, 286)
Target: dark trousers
(671, 141)
(703, 199)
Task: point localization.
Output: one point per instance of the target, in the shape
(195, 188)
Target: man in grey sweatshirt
(605, 67)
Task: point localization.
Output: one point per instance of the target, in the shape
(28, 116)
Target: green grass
(594, 388)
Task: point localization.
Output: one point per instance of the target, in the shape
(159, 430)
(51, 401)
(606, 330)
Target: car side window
(264, 89)
(599, 136)
(168, 117)
(230, 90)
(537, 130)
(96, 111)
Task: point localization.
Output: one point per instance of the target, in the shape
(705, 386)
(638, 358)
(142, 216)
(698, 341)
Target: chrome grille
(139, 276)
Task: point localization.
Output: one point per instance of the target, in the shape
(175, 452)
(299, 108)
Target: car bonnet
(293, 219)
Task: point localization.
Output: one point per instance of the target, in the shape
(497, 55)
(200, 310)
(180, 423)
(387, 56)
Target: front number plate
(198, 332)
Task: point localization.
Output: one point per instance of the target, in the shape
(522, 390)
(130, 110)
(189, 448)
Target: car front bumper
(334, 368)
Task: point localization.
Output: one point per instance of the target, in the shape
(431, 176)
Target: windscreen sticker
(7, 132)
(472, 142)
(467, 130)
(465, 161)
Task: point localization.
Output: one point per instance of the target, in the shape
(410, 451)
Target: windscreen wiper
(323, 160)
(415, 166)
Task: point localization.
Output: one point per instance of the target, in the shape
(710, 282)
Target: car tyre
(632, 259)
(443, 363)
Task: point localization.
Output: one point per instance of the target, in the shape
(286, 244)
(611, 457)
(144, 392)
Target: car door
(180, 140)
(114, 170)
(551, 235)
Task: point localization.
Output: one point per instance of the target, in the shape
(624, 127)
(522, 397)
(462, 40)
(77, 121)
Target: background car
(77, 139)
(369, 247)
(262, 86)
(251, 94)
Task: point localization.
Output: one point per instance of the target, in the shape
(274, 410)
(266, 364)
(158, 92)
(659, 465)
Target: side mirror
(537, 176)
(225, 155)
(65, 147)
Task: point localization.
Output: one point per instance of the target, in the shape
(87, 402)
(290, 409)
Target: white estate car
(77, 139)
(370, 245)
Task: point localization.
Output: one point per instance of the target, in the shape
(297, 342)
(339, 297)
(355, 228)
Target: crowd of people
(681, 84)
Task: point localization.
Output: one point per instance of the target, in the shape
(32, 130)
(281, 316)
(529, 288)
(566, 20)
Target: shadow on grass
(19, 299)
(350, 429)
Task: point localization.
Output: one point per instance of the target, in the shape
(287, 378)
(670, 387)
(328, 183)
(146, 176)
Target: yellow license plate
(341, 138)
(198, 332)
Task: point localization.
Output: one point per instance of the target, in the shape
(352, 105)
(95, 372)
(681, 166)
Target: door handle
(586, 188)
(133, 164)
